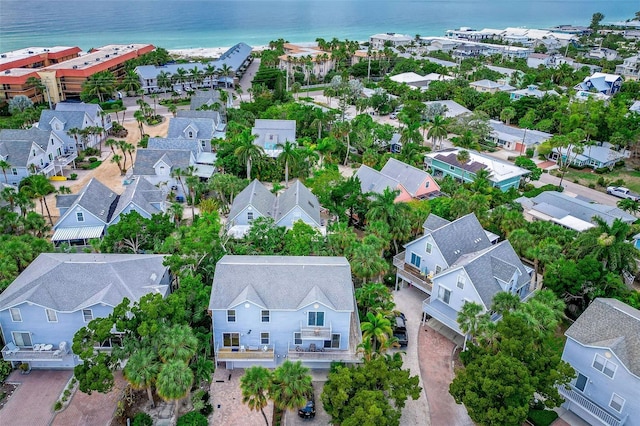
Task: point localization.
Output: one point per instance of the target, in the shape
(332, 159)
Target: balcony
(411, 274)
(442, 312)
(246, 353)
(605, 417)
(29, 354)
(315, 332)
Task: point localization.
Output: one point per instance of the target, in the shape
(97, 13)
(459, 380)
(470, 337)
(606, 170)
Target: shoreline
(207, 52)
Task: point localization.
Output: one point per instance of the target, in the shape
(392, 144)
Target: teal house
(502, 174)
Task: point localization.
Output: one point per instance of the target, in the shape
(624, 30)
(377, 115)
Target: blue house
(59, 293)
(270, 133)
(502, 174)
(603, 347)
(88, 214)
(459, 262)
(296, 203)
(599, 82)
(266, 309)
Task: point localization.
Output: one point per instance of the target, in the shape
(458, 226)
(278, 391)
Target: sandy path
(108, 172)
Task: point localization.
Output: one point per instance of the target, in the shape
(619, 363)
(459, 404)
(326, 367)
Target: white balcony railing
(605, 417)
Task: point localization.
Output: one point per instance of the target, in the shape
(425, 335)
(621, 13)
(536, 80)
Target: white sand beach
(206, 52)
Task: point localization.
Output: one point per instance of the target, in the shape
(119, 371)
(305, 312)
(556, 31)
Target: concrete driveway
(32, 403)
(291, 418)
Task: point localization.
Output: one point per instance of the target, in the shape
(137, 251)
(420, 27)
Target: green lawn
(631, 178)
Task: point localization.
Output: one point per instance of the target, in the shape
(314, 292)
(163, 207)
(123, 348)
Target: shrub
(542, 417)
(73, 176)
(57, 406)
(592, 185)
(91, 151)
(192, 418)
(142, 419)
(92, 159)
(5, 370)
(529, 152)
(534, 192)
(602, 170)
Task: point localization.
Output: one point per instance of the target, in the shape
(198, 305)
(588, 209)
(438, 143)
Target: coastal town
(404, 230)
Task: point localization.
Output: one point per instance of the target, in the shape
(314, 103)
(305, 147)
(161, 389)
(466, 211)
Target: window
(426, 184)
(415, 260)
(231, 315)
(265, 316)
(16, 316)
(452, 168)
(617, 402)
(428, 248)
(444, 294)
(316, 319)
(80, 217)
(87, 314)
(264, 338)
(190, 135)
(21, 338)
(438, 269)
(460, 283)
(249, 215)
(605, 366)
(581, 382)
(52, 316)
(297, 338)
(14, 171)
(50, 157)
(230, 339)
(203, 144)
(334, 343)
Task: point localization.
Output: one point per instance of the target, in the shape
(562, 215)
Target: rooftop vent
(106, 56)
(153, 276)
(3, 56)
(7, 72)
(30, 52)
(97, 59)
(86, 63)
(75, 67)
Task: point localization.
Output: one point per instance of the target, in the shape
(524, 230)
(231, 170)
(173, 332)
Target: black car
(309, 410)
(400, 330)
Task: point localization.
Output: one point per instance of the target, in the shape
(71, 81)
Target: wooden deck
(230, 354)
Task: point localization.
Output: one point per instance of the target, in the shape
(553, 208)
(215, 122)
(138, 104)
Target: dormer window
(460, 283)
(80, 217)
(190, 135)
(33, 152)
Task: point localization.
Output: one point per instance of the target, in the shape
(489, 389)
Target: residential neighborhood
(409, 229)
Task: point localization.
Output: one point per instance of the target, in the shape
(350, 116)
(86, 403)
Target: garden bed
(6, 390)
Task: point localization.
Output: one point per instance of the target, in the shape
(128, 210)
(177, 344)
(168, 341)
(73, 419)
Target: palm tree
(608, 244)
(139, 116)
(255, 385)
(164, 80)
(438, 131)
(247, 151)
(226, 71)
(181, 77)
(290, 386)
(141, 370)
(177, 342)
(4, 165)
(38, 186)
(38, 86)
(116, 159)
(463, 158)
(176, 211)
(289, 156)
(196, 75)
(507, 114)
(75, 132)
(377, 329)
(174, 380)
(131, 82)
(209, 72)
(469, 319)
(628, 205)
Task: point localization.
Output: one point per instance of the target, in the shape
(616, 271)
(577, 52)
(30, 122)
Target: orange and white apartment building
(61, 69)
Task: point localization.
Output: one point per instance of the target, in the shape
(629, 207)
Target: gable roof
(146, 159)
(255, 195)
(141, 193)
(485, 267)
(297, 195)
(175, 144)
(92, 110)
(68, 282)
(69, 118)
(283, 282)
(513, 134)
(462, 236)
(284, 130)
(201, 98)
(205, 127)
(454, 109)
(410, 177)
(374, 181)
(95, 198)
(434, 222)
(500, 170)
(15, 144)
(612, 324)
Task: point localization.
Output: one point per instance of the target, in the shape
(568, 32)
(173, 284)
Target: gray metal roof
(280, 130)
(485, 267)
(410, 177)
(78, 233)
(255, 195)
(175, 144)
(97, 199)
(92, 110)
(454, 109)
(146, 159)
(204, 127)
(462, 236)
(530, 137)
(202, 97)
(282, 282)
(556, 203)
(298, 195)
(67, 282)
(141, 193)
(611, 324)
(374, 181)
(187, 113)
(70, 119)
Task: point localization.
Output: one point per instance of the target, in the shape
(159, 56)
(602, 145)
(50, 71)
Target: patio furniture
(242, 348)
(36, 347)
(47, 347)
(312, 347)
(12, 348)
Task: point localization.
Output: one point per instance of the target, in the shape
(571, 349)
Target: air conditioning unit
(106, 56)
(97, 59)
(75, 67)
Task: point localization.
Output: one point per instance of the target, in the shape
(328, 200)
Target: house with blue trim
(455, 262)
(603, 347)
(59, 293)
(270, 133)
(600, 82)
(266, 309)
(502, 174)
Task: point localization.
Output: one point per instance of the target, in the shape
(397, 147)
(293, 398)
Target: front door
(230, 340)
(22, 339)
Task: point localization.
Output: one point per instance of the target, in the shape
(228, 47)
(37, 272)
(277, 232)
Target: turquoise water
(176, 24)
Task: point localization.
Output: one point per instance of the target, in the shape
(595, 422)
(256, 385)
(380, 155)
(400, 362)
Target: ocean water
(176, 24)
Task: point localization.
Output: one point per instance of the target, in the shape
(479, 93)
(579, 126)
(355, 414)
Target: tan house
(306, 58)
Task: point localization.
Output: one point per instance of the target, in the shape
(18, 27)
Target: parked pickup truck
(621, 192)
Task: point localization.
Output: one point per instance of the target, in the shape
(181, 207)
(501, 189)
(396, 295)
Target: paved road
(575, 189)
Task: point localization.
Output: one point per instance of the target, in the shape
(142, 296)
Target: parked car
(309, 410)
(622, 192)
(400, 330)
(393, 116)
